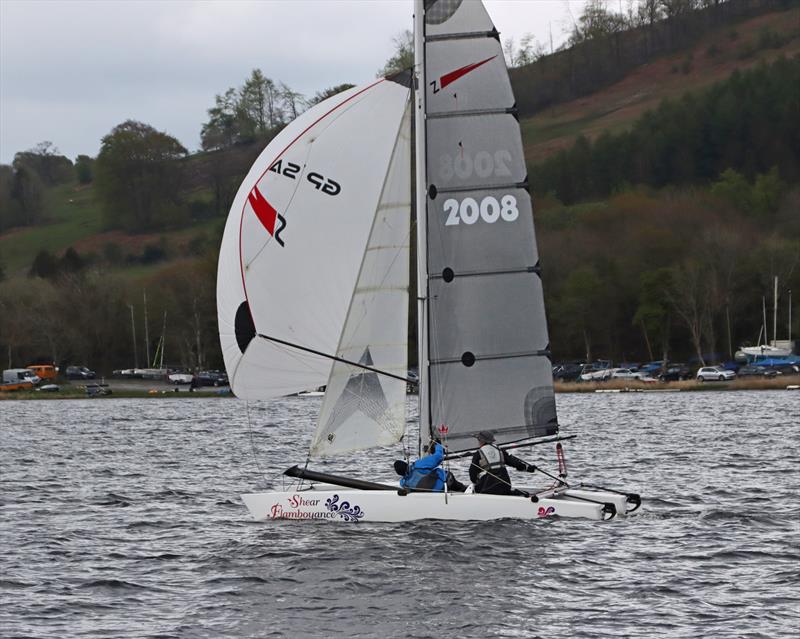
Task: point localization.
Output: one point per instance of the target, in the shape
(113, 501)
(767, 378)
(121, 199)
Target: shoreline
(120, 388)
(781, 382)
(154, 390)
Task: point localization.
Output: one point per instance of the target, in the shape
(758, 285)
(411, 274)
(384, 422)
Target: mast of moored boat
(775, 313)
(421, 206)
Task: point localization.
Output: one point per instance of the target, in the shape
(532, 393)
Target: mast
(775, 313)
(146, 333)
(163, 340)
(421, 206)
(764, 313)
(133, 332)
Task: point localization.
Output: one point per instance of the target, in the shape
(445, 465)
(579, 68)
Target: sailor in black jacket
(488, 468)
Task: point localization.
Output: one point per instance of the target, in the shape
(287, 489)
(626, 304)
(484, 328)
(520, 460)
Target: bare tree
(292, 101)
(690, 300)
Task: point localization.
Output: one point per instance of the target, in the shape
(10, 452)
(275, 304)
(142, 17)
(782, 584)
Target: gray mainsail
(487, 343)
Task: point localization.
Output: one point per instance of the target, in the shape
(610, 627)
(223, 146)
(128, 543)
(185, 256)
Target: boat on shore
(766, 349)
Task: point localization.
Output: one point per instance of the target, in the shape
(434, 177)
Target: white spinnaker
(363, 409)
(294, 238)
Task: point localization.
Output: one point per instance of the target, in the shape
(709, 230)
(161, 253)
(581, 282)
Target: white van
(17, 375)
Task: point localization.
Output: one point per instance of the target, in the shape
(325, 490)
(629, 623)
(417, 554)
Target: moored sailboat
(314, 278)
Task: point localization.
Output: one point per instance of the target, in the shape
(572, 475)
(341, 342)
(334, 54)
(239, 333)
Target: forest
(658, 238)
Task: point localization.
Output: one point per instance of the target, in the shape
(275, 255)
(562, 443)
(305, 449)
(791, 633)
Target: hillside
(616, 108)
(678, 267)
(74, 217)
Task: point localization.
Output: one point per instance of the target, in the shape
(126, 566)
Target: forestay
(294, 240)
(488, 343)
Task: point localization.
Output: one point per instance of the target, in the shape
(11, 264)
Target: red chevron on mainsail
(449, 78)
(263, 210)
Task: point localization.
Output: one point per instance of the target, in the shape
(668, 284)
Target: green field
(72, 215)
(74, 218)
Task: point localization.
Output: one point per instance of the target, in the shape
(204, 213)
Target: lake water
(121, 518)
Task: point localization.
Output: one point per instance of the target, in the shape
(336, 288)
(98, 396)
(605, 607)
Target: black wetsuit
(496, 480)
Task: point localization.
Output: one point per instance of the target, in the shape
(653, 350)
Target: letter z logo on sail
(267, 214)
(449, 78)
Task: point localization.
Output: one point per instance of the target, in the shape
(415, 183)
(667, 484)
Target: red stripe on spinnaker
(449, 78)
(265, 212)
(269, 166)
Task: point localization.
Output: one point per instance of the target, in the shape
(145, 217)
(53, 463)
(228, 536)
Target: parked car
(675, 373)
(80, 372)
(651, 368)
(757, 371)
(210, 378)
(714, 373)
(20, 376)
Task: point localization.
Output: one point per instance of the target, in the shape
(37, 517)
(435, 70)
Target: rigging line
(516, 444)
(559, 482)
(434, 325)
(407, 380)
(253, 443)
(491, 474)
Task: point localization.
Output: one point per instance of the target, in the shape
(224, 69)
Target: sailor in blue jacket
(426, 473)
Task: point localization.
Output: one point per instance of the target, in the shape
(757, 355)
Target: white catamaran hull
(389, 506)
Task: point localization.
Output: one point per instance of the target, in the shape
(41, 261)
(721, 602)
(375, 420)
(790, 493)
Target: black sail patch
(244, 326)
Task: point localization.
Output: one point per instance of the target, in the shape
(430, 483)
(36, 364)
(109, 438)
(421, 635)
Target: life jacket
(491, 459)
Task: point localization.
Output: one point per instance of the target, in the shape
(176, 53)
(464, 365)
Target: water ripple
(122, 518)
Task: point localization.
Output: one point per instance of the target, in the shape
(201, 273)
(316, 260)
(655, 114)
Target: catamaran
(314, 278)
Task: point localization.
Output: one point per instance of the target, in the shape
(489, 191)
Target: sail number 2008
(469, 210)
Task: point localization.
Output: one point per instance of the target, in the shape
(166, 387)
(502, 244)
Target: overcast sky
(72, 70)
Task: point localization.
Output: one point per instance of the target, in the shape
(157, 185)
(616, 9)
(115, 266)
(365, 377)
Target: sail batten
(463, 36)
(486, 357)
